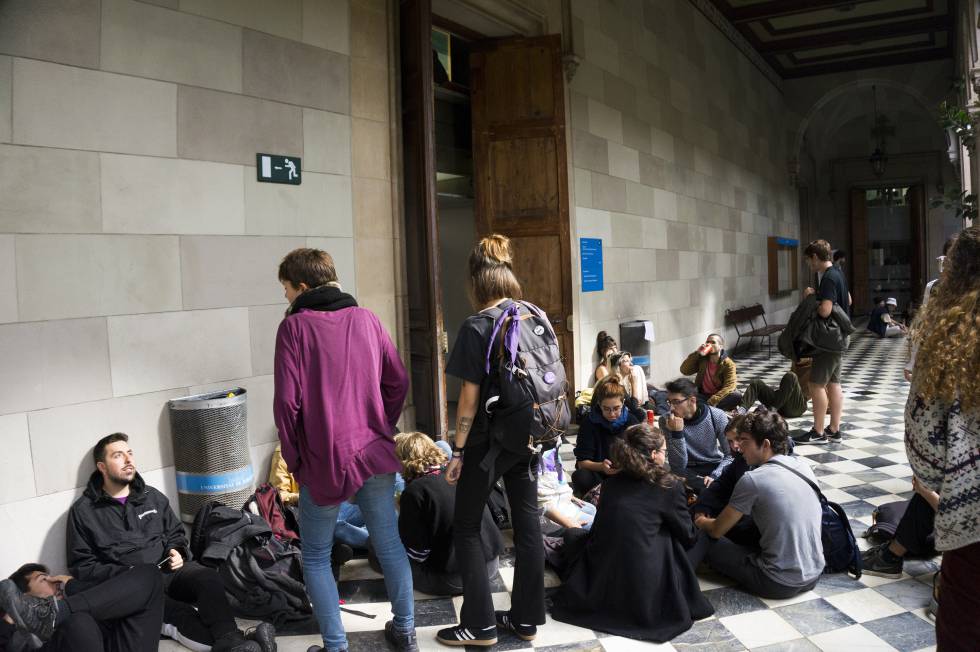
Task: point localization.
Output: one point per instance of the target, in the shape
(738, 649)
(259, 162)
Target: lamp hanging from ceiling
(878, 158)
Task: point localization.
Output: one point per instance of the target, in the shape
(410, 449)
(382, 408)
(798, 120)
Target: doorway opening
(484, 152)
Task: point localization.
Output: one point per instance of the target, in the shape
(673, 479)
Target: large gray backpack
(528, 407)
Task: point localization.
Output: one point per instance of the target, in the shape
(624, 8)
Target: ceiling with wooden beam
(814, 37)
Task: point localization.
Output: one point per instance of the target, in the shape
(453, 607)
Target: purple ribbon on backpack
(511, 337)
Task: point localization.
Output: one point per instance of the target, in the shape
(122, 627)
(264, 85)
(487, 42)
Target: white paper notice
(648, 331)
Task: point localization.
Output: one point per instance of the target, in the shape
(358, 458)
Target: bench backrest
(743, 315)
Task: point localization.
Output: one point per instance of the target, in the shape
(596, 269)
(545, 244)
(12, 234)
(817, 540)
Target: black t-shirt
(832, 287)
(468, 361)
(425, 524)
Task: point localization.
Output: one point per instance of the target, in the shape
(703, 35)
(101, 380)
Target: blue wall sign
(590, 254)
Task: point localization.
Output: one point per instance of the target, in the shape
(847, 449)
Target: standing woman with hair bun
(492, 287)
(942, 434)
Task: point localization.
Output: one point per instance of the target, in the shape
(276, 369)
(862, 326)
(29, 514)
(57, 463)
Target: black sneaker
(30, 614)
(459, 636)
(401, 641)
(235, 642)
(811, 437)
(265, 635)
(831, 436)
(873, 562)
(525, 632)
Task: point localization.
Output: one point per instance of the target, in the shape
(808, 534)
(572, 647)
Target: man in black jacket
(716, 495)
(120, 522)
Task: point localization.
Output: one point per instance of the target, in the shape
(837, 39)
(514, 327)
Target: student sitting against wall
(630, 575)
(715, 373)
(697, 448)
(605, 346)
(606, 421)
(633, 377)
(425, 519)
(881, 322)
(786, 510)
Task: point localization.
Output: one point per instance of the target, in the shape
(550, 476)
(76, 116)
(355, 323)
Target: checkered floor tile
(867, 469)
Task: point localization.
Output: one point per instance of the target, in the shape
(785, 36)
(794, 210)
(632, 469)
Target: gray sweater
(702, 441)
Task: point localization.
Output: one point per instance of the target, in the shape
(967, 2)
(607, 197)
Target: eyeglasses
(611, 410)
(677, 401)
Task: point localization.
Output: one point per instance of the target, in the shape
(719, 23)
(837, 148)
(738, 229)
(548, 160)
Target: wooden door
(860, 262)
(519, 165)
(917, 221)
(425, 331)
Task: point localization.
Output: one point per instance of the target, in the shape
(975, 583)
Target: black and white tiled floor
(841, 614)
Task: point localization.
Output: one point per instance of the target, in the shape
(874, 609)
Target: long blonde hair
(491, 271)
(947, 330)
(417, 453)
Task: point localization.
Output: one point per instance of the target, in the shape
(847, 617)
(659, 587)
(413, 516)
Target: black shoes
(524, 632)
(873, 562)
(401, 641)
(235, 642)
(459, 636)
(265, 635)
(812, 437)
(30, 614)
(340, 555)
(831, 436)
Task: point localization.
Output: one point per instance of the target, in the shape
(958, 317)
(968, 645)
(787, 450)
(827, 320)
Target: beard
(120, 479)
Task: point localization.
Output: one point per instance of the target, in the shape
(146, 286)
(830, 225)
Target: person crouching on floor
(630, 574)
(425, 518)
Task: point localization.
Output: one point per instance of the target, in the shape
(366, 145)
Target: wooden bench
(746, 321)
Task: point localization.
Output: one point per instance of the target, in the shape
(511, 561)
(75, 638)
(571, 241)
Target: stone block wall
(678, 153)
(138, 253)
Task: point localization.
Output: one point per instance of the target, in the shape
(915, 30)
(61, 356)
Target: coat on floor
(632, 577)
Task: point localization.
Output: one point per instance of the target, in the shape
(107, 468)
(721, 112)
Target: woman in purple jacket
(336, 420)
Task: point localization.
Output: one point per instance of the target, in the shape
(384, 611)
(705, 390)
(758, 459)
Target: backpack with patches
(528, 406)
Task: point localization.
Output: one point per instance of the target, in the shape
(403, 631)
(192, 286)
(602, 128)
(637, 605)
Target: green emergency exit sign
(273, 168)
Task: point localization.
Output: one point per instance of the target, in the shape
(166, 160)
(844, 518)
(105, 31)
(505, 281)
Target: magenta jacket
(340, 386)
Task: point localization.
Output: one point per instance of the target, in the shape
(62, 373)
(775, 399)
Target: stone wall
(138, 253)
(678, 151)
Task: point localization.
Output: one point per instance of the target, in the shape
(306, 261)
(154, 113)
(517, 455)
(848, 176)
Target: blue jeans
(377, 506)
(351, 526)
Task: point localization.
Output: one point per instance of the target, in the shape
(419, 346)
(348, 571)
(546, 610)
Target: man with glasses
(696, 448)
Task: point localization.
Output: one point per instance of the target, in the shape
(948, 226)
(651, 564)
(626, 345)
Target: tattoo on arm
(463, 426)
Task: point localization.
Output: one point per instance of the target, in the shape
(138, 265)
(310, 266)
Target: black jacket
(807, 334)
(715, 497)
(106, 537)
(596, 435)
(632, 576)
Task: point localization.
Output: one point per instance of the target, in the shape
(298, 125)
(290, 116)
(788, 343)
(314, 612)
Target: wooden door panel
(519, 159)
(860, 269)
(917, 212)
(421, 239)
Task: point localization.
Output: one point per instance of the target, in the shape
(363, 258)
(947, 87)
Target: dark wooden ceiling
(814, 37)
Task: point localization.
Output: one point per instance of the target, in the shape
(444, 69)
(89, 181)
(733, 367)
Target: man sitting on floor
(789, 399)
(716, 496)
(696, 445)
(122, 614)
(881, 322)
(715, 373)
(121, 522)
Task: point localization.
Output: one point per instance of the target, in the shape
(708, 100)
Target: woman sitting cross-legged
(606, 421)
(425, 519)
(630, 574)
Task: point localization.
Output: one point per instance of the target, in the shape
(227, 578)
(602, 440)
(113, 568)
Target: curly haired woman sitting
(425, 519)
(631, 575)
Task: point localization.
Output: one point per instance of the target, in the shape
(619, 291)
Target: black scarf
(325, 298)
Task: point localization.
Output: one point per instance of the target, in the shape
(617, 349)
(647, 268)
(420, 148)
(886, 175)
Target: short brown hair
(417, 453)
(762, 424)
(491, 272)
(609, 387)
(98, 452)
(819, 248)
(311, 266)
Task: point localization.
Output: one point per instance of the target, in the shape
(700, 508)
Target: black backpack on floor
(840, 549)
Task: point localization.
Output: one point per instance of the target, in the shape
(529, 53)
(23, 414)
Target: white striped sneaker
(459, 636)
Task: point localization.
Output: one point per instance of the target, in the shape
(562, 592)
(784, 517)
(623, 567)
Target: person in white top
(913, 349)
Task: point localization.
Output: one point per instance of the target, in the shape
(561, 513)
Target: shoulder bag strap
(802, 477)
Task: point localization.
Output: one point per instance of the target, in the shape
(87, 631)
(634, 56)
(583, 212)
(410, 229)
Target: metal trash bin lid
(209, 401)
